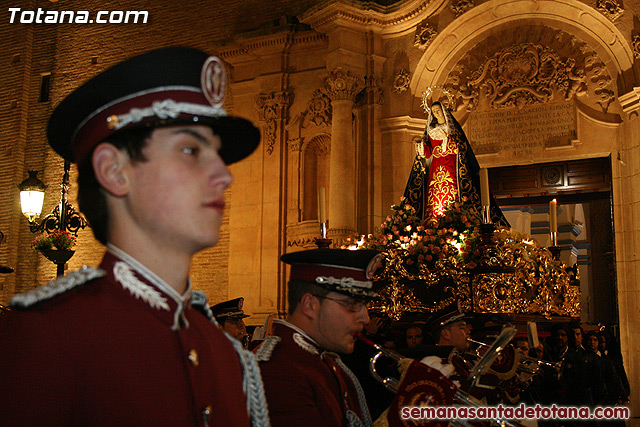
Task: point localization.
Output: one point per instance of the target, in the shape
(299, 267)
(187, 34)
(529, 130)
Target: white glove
(435, 362)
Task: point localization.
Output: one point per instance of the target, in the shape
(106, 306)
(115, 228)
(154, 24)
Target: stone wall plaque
(525, 131)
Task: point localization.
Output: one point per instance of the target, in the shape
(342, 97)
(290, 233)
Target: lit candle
(553, 216)
(322, 213)
(484, 186)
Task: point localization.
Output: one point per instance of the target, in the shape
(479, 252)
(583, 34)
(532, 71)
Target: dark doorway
(582, 189)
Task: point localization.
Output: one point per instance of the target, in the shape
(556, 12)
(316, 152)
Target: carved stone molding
(319, 109)
(339, 235)
(306, 243)
(342, 85)
(303, 234)
(366, 16)
(635, 41)
(319, 145)
(630, 102)
(401, 81)
(461, 6)
(610, 8)
(295, 144)
(527, 74)
(272, 108)
(530, 73)
(599, 79)
(425, 34)
(374, 88)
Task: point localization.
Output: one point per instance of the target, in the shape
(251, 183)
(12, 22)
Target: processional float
(467, 252)
(468, 255)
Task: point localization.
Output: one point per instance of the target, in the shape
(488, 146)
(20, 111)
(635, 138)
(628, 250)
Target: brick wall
(73, 53)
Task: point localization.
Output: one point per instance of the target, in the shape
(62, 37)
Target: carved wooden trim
(584, 176)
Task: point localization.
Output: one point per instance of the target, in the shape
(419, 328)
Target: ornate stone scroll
(461, 6)
(526, 74)
(401, 81)
(342, 85)
(272, 108)
(319, 109)
(425, 34)
(610, 8)
(505, 72)
(636, 46)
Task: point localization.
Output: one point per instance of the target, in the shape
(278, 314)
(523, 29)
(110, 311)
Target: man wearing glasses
(305, 381)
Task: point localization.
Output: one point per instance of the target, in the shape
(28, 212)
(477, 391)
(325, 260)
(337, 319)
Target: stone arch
(585, 22)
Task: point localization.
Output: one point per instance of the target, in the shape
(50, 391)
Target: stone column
(626, 200)
(342, 87)
(271, 294)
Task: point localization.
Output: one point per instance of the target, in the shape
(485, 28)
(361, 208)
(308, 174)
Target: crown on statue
(431, 92)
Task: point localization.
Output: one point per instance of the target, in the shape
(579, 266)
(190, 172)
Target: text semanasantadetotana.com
(517, 412)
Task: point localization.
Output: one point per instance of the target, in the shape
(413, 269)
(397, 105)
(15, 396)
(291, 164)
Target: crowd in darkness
(581, 369)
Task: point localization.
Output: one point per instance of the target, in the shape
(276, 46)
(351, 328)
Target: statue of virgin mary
(445, 170)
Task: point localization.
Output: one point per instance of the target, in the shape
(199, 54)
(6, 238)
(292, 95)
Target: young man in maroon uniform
(122, 344)
(229, 315)
(306, 383)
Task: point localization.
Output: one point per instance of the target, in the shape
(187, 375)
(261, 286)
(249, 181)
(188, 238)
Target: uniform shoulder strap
(56, 287)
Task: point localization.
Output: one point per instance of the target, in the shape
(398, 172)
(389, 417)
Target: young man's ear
(108, 166)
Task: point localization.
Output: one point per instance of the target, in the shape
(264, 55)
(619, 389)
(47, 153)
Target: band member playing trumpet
(305, 381)
(449, 328)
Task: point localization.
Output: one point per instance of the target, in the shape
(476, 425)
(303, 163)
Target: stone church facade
(336, 89)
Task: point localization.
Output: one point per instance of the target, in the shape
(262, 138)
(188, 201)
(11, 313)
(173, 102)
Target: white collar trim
(123, 273)
(301, 338)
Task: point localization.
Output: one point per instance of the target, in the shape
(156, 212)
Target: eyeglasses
(352, 305)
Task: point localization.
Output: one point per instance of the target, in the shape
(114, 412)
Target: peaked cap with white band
(231, 309)
(445, 317)
(338, 270)
(161, 87)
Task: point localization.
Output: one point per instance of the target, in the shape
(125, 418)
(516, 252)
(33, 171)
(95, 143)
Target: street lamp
(63, 217)
(32, 196)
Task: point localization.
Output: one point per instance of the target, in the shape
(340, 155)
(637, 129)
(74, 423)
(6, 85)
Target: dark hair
(434, 121)
(91, 196)
(590, 334)
(297, 289)
(571, 338)
(414, 326)
(577, 326)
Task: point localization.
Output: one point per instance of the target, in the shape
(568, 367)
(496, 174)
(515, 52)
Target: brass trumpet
(528, 365)
(393, 384)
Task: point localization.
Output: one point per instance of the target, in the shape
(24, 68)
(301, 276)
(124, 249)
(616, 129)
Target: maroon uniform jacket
(305, 386)
(116, 346)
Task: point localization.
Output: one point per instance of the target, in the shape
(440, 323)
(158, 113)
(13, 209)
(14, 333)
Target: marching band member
(229, 315)
(306, 382)
(122, 344)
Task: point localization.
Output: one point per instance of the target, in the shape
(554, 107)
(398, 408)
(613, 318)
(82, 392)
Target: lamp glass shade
(31, 202)
(32, 195)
